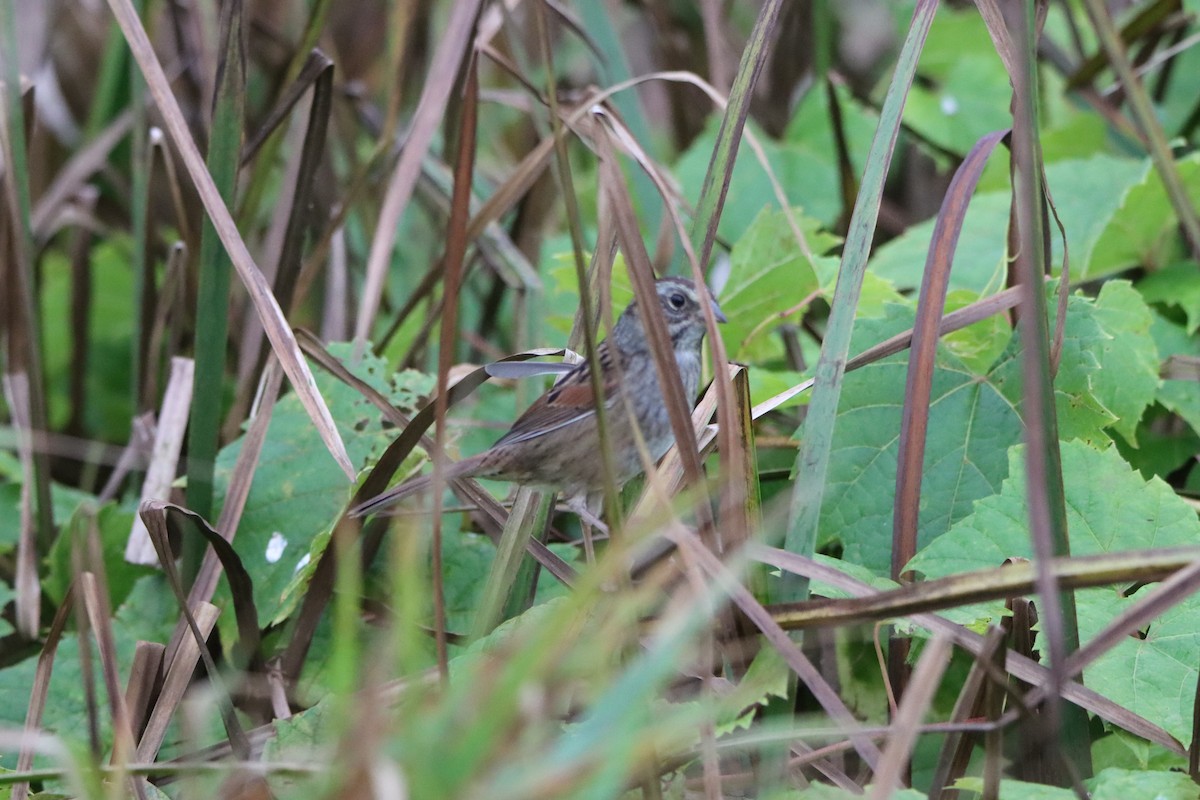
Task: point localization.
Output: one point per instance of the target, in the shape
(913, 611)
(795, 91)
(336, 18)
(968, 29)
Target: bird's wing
(567, 402)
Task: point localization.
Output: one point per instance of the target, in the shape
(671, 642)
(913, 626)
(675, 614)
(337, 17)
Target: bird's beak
(716, 309)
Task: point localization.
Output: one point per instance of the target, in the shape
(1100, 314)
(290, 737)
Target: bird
(555, 444)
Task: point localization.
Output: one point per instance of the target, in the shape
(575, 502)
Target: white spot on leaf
(275, 547)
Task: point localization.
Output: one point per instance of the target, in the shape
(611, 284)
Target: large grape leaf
(1110, 508)
(1127, 380)
(298, 491)
(972, 424)
(1109, 361)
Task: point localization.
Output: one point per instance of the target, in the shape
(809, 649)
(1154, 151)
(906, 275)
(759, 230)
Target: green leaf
(109, 331)
(1177, 285)
(978, 261)
(1108, 360)
(972, 423)
(812, 125)
(1108, 371)
(149, 613)
(1143, 230)
(1080, 135)
(978, 345)
(298, 490)
(1127, 379)
(64, 499)
(1121, 784)
(1016, 790)
(1180, 396)
(1089, 195)
(964, 90)
(966, 104)
(1161, 447)
(809, 177)
(768, 275)
(1127, 751)
(1110, 508)
(766, 383)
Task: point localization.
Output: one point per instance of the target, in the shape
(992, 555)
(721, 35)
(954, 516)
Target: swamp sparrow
(555, 443)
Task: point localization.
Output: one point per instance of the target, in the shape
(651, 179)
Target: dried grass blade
(452, 266)
(84, 163)
(1066, 727)
(956, 748)
(199, 621)
(313, 149)
(28, 589)
(1011, 580)
(494, 244)
(278, 331)
(779, 639)
(528, 519)
(704, 231)
(740, 516)
(1017, 665)
(914, 421)
(144, 684)
(916, 703)
(168, 442)
(812, 463)
(443, 70)
(641, 274)
(176, 682)
(95, 603)
(20, 322)
(315, 65)
(134, 454)
(172, 517)
(292, 218)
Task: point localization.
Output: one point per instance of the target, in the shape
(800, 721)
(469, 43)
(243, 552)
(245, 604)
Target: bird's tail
(380, 502)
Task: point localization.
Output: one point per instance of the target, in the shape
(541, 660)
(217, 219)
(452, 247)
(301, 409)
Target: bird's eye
(677, 300)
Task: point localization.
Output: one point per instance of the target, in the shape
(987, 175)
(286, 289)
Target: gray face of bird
(680, 304)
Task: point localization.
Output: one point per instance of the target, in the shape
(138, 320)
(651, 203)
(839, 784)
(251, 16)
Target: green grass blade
(812, 463)
(212, 304)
